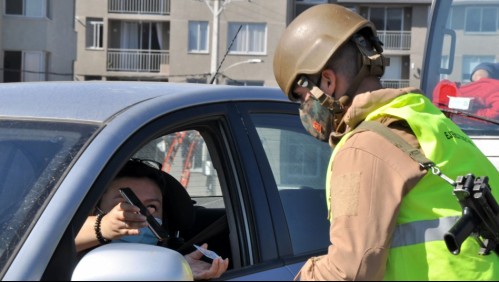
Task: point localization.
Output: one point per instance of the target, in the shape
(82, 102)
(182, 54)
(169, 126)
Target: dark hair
(137, 168)
(178, 209)
(345, 60)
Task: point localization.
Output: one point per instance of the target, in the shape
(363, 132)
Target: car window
(299, 165)
(469, 39)
(184, 155)
(33, 157)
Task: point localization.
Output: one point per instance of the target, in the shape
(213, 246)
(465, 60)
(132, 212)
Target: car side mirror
(133, 262)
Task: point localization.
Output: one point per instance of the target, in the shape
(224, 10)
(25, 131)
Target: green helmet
(313, 37)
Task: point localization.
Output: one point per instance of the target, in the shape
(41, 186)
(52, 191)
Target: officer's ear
(328, 81)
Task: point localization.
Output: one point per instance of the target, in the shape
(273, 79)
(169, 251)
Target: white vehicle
(461, 35)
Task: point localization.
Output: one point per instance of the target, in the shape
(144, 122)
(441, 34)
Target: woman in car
(115, 220)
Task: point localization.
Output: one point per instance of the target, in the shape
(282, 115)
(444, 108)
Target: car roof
(98, 101)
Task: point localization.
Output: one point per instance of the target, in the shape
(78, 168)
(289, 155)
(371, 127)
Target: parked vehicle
(241, 152)
(253, 172)
(462, 34)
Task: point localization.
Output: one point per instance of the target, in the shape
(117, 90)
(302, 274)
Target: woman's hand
(202, 270)
(124, 219)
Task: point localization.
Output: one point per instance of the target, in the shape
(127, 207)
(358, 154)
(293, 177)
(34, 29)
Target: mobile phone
(155, 227)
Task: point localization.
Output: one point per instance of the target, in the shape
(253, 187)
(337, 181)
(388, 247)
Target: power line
(226, 53)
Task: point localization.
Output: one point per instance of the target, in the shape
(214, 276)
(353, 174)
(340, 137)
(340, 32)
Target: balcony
(395, 83)
(144, 7)
(130, 60)
(395, 40)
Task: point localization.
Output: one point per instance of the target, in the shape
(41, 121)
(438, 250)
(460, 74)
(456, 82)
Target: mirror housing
(133, 262)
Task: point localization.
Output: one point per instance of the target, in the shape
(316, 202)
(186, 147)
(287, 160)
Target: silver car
(255, 177)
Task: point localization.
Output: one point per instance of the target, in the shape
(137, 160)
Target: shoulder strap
(395, 139)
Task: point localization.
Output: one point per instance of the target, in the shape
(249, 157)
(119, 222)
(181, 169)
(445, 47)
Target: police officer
(388, 215)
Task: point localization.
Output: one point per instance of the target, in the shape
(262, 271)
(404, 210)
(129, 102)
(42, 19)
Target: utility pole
(216, 9)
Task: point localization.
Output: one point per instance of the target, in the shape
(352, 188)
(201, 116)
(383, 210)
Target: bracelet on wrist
(98, 233)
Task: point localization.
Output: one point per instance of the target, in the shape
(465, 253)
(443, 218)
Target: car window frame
(285, 245)
(227, 129)
(220, 117)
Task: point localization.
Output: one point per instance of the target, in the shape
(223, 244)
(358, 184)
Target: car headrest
(178, 207)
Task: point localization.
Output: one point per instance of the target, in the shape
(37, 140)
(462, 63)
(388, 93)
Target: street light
(249, 61)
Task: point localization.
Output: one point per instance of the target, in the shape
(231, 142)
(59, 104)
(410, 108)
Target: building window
(249, 38)
(389, 19)
(444, 66)
(198, 37)
(481, 19)
(24, 66)
(95, 33)
(28, 8)
(470, 62)
(393, 25)
(137, 35)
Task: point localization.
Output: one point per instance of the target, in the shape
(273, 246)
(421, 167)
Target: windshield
(461, 68)
(34, 157)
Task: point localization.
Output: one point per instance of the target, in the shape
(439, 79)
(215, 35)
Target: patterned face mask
(320, 113)
(145, 237)
(317, 119)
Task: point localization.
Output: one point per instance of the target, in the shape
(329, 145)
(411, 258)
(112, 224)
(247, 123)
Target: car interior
(189, 223)
(195, 206)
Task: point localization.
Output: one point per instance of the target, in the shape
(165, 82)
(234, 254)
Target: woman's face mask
(145, 237)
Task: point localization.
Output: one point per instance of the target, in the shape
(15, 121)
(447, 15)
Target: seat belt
(211, 230)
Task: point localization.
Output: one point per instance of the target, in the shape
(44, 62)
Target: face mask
(145, 237)
(316, 119)
(320, 112)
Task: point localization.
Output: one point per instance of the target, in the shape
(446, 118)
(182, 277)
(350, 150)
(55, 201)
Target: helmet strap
(371, 61)
(337, 106)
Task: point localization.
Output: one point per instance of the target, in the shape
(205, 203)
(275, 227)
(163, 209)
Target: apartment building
(401, 26)
(37, 41)
(122, 40)
(178, 40)
(182, 40)
(192, 40)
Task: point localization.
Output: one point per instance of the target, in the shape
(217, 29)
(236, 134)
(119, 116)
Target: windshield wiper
(461, 113)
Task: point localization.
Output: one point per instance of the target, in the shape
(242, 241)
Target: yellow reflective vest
(429, 210)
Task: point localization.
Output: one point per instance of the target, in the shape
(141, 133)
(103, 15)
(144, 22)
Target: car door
(247, 174)
(257, 166)
(293, 165)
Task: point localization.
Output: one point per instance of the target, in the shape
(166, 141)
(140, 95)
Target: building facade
(401, 26)
(123, 40)
(38, 40)
(200, 41)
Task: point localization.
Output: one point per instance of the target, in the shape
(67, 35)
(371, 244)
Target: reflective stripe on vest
(421, 231)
